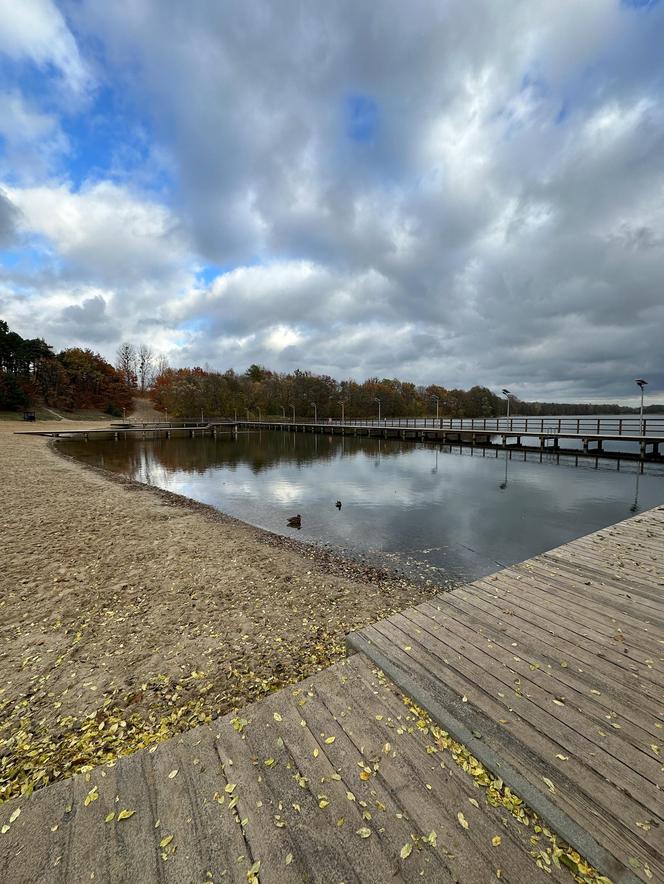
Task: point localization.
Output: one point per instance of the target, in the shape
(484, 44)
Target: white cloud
(502, 223)
(105, 231)
(36, 30)
(33, 140)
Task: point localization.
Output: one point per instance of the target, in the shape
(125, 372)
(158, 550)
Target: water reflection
(419, 506)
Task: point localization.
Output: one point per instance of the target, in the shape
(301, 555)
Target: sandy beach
(128, 614)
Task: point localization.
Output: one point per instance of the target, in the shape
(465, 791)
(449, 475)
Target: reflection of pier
(586, 438)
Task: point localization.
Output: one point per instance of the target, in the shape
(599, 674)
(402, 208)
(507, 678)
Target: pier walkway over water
(550, 673)
(628, 438)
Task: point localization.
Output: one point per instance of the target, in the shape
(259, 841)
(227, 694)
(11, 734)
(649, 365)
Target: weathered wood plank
(581, 627)
(272, 786)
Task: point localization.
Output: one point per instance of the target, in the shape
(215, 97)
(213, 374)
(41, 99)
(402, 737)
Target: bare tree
(125, 362)
(161, 365)
(144, 363)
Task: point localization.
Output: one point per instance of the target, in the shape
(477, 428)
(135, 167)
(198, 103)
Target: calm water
(427, 510)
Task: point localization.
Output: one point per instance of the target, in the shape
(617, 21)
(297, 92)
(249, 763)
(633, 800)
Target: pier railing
(610, 426)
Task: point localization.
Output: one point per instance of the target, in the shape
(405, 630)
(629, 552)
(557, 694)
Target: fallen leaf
(15, 815)
(364, 832)
(406, 850)
(330, 740)
(277, 717)
(125, 814)
(166, 841)
(549, 784)
(462, 820)
(496, 840)
(173, 774)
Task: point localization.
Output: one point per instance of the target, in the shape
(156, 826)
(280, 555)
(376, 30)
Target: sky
(445, 192)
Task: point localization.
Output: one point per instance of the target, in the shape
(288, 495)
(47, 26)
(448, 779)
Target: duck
(338, 504)
(295, 521)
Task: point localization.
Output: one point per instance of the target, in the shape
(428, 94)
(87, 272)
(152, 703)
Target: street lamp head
(641, 383)
(506, 393)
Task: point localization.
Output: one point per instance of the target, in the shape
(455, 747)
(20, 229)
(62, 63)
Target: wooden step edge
(461, 721)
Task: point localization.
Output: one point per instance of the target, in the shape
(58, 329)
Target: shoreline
(129, 614)
(331, 561)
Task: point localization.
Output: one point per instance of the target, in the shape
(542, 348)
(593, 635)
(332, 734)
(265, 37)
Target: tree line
(259, 392)
(31, 373)
(78, 379)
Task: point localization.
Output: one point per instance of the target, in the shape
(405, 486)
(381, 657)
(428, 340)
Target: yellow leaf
(110, 817)
(277, 717)
(125, 814)
(562, 757)
(289, 859)
(496, 840)
(173, 774)
(549, 784)
(330, 740)
(365, 775)
(323, 803)
(462, 820)
(473, 802)
(15, 815)
(166, 841)
(229, 787)
(316, 753)
(4, 829)
(406, 850)
(364, 832)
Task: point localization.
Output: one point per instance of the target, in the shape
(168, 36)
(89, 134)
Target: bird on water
(295, 521)
(338, 504)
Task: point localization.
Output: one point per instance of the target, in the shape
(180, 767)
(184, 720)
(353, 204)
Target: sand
(127, 614)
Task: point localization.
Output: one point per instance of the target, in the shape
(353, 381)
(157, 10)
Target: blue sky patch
(639, 4)
(361, 118)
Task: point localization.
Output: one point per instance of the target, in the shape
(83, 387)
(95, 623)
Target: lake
(433, 512)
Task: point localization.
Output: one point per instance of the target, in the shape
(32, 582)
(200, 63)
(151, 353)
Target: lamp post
(378, 401)
(283, 411)
(315, 412)
(293, 407)
(507, 394)
(343, 412)
(641, 383)
(259, 413)
(437, 398)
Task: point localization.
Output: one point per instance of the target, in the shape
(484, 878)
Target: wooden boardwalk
(334, 780)
(552, 673)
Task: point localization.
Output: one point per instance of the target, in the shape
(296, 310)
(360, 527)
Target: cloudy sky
(451, 192)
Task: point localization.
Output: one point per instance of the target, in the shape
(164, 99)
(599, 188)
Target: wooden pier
(630, 439)
(552, 673)
(549, 672)
(494, 433)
